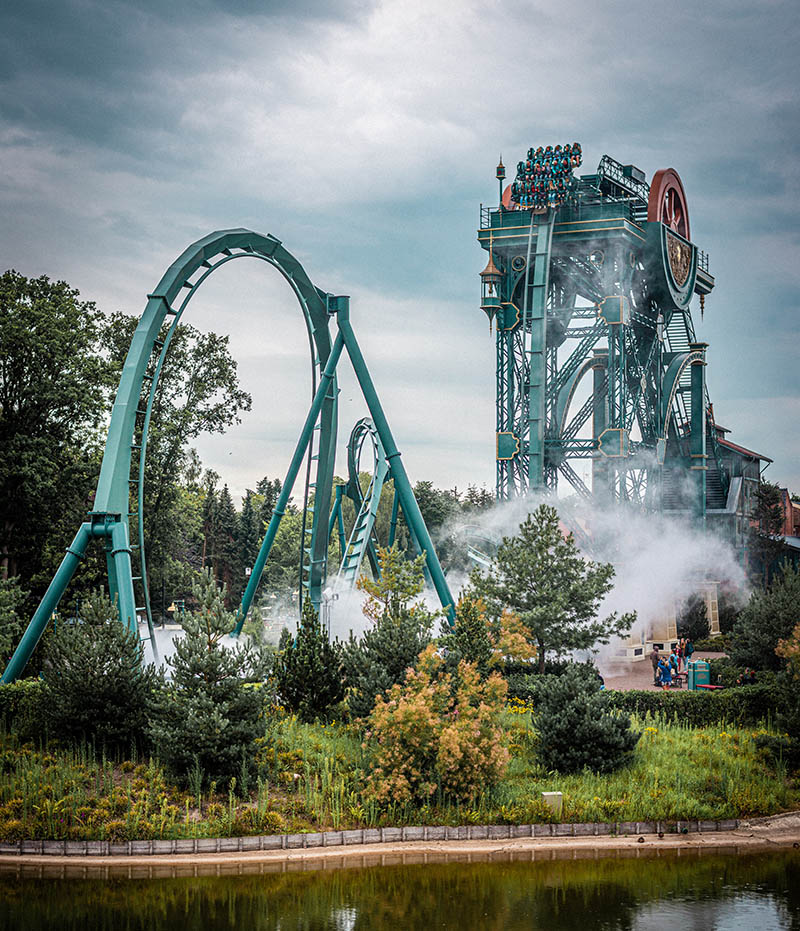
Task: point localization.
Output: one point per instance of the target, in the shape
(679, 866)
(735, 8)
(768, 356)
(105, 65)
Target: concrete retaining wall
(101, 848)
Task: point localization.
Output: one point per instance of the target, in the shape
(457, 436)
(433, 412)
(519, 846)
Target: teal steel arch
(672, 381)
(361, 542)
(122, 470)
(123, 466)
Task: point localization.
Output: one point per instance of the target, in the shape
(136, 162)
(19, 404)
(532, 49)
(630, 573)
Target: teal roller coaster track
(117, 519)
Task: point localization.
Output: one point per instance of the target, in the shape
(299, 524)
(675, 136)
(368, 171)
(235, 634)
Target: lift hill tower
(592, 277)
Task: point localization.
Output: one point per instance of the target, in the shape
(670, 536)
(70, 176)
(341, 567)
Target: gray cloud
(364, 136)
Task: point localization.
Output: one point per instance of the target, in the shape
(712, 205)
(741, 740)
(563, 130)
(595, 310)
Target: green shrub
(96, 689)
(23, 709)
(209, 715)
(308, 669)
(745, 706)
(438, 731)
(576, 729)
(400, 631)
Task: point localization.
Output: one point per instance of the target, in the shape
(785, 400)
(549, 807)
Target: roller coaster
(117, 520)
(587, 277)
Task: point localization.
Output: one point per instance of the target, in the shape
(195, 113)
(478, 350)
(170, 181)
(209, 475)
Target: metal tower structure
(592, 278)
(117, 521)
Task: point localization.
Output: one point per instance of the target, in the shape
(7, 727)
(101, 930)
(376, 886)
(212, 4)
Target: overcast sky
(364, 136)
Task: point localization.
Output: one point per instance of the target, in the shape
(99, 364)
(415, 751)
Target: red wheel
(667, 202)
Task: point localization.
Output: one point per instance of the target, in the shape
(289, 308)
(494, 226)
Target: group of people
(665, 668)
(545, 178)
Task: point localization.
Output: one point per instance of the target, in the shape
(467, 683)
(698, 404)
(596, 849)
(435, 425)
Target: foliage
(209, 716)
(401, 629)
(97, 689)
(53, 392)
(789, 650)
(769, 616)
(308, 670)
(475, 639)
(765, 545)
(576, 729)
(748, 705)
(541, 576)
(23, 708)
(693, 619)
(433, 733)
(11, 624)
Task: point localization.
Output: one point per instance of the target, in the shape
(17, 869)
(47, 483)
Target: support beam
(697, 441)
(402, 485)
(48, 604)
(286, 491)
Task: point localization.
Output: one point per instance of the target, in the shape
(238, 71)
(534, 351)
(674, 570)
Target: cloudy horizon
(364, 136)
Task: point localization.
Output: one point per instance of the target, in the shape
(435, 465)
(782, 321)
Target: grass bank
(312, 777)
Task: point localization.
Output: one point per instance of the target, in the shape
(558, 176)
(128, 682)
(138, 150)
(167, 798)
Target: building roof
(743, 450)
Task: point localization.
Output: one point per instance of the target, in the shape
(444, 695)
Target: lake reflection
(708, 892)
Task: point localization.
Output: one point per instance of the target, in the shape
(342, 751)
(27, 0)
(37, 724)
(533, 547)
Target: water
(707, 892)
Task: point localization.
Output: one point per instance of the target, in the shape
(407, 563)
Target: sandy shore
(764, 833)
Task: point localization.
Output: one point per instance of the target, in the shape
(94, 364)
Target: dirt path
(759, 834)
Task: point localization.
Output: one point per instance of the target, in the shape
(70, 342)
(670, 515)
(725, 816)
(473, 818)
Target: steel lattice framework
(598, 287)
(117, 518)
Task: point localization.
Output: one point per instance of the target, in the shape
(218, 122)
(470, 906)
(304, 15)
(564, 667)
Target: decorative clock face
(680, 259)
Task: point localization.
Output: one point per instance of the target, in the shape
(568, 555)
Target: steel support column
(697, 441)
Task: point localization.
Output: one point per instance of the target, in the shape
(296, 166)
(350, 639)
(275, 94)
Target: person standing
(665, 674)
(674, 663)
(655, 656)
(689, 650)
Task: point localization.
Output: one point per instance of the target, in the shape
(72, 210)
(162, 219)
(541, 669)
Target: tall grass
(312, 777)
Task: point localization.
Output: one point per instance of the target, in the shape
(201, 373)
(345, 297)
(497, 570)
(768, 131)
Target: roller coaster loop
(122, 473)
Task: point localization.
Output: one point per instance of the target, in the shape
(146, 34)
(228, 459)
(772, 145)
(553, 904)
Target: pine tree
(229, 564)
(308, 670)
(209, 716)
(693, 619)
(469, 639)
(575, 731)
(768, 617)
(97, 688)
(401, 630)
(765, 544)
(541, 576)
(269, 489)
(209, 519)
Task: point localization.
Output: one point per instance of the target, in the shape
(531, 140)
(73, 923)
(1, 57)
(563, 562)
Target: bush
(528, 686)
(11, 626)
(23, 709)
(96, 688)
(747, 705)
(400, 632)
(438, 732)
(576, 729)
(768, 617)
(209, 715)
(308, 669)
